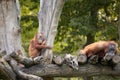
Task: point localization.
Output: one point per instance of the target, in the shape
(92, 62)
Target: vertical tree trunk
(49, 15)
(9, 32)
(9, 26)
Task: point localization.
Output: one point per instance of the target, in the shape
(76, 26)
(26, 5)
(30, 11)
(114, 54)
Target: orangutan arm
(41, 46)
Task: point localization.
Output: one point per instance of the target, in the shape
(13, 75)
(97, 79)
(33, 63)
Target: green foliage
(83, 17)
(29, 20)
(79, 19)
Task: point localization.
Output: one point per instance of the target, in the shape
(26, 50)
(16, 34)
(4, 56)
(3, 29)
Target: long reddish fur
(98, 48)
(35, 47)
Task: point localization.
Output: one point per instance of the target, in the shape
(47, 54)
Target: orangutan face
(111, 50)
(40, 38)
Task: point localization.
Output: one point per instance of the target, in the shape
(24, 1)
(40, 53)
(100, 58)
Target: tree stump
(116, 59)
(82, 58)
(58, 60)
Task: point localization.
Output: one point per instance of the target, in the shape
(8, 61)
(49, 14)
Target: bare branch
(10, 68)
(6, 71)
(27, 62)
(21, 74)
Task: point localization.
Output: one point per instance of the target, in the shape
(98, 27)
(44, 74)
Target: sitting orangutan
(36, 45)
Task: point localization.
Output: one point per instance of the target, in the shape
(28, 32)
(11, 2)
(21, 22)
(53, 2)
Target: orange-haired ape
(101, 48)
(36, 44)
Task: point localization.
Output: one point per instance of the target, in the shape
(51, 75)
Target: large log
(116, 59)
(66, 71)
(35, 72)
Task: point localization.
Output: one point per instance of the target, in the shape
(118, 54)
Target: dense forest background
(82, 22)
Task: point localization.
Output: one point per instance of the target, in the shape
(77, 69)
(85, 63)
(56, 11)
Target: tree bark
(52, 70)
(9, 33)
(66, 71)
(6, 71)
(49, 15)
(9, 26)
(10, 39)
(82, 59)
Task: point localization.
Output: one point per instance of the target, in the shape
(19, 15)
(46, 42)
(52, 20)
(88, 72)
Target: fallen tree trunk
(65, 71)
(36, 70)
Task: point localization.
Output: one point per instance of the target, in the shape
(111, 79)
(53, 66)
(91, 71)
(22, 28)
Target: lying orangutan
(101, 48)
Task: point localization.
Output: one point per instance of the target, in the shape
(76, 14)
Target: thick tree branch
(59, 69)
(65, 71)
(6, 71)
(10, 69)
(27, 62)
(21, 74)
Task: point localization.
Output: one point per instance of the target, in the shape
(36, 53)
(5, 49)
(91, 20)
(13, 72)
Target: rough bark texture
(49, 14)
(6, 71)
(11, 69)
(9, 26)
(9, 65)
(65, 71)
(10, 40)
(9, 33)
